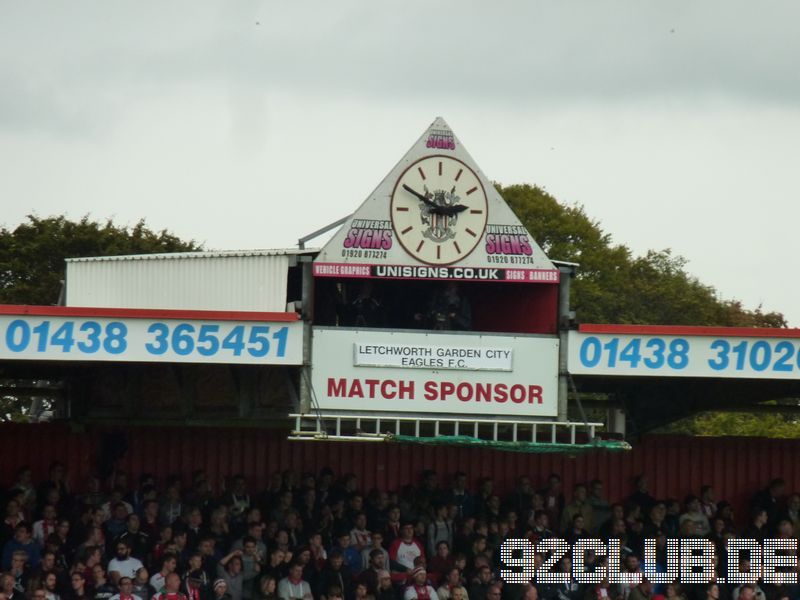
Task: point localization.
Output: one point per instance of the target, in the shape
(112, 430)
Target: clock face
(439, 210)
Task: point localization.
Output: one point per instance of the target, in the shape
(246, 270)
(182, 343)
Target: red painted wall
(675, 466)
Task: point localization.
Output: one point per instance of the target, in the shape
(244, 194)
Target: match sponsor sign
(435, 372)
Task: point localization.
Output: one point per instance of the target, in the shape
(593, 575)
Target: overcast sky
(247, 124)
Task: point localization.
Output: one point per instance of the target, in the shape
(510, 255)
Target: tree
(774, 425)
(32, 255)
(612, 285)
(32, 269)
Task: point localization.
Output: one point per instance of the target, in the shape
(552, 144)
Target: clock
(438, 210)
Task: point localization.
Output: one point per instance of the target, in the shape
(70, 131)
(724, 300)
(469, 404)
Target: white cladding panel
(182, 282)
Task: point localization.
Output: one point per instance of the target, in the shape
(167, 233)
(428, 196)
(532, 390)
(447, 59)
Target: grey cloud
(503, 52)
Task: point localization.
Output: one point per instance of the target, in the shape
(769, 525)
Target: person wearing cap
(402, 553)
(420, 589)
(220, 590)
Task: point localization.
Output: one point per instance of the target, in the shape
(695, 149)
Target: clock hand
(425, 199)
(449, 211)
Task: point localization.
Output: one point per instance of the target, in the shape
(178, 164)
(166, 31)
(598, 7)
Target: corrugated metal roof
(254, 280)
(192, 255)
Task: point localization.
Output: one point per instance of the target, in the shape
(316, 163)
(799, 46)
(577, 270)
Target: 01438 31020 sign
(684, 355)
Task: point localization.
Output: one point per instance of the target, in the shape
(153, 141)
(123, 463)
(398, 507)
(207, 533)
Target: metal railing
(378, 428)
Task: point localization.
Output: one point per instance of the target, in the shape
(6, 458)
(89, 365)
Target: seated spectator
(694, 513)
(138, 540)
(479, 587)
(376, 566)
(361, 593)
(102, 589)
(419, 588)
(579, 506)
(440, 529)
(125, 590)
(46, 525)
(50, 587)
(441, 562)
(267, 588)
(196, 580)
(220, 590)
(708, 503)
(335, 574)
(229, 570)
(360, 536)
(452, 587)
(748, 591)
(757, 529)
(402, 553)
(78, 589)
(169, 564)
(123, 564)
(172, 589)
(385, 587)
(141, 585)
(23, 540)
(293, 586)
(350, 554)
(118, 522)
(20, 570)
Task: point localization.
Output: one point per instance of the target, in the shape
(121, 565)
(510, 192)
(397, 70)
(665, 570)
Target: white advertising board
(648, 355)
(127, 339)
(381, 370)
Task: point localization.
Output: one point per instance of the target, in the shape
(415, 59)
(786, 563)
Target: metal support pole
(307, 315)
(567, 273)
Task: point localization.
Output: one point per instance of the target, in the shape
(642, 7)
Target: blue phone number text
(183, 339)
(657, 353)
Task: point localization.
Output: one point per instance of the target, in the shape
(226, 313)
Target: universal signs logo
(441, 139)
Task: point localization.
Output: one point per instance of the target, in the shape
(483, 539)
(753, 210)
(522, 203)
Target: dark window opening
(436, 305)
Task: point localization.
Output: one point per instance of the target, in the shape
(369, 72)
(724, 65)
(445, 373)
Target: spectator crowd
(319, 536)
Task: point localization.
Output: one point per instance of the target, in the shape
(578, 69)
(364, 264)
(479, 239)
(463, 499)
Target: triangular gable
(435, 216)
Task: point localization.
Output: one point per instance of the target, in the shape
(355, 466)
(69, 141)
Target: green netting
(530, 447)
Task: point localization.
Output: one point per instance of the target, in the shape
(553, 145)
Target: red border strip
(763, 332)
(146, 313)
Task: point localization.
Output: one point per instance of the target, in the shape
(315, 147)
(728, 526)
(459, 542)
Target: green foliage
(612, 285)
(774, 425)
(32, 255)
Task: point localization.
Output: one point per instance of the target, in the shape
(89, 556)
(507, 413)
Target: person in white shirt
(168, 565)
(123, 564)
(293, 586)
(47, 525)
